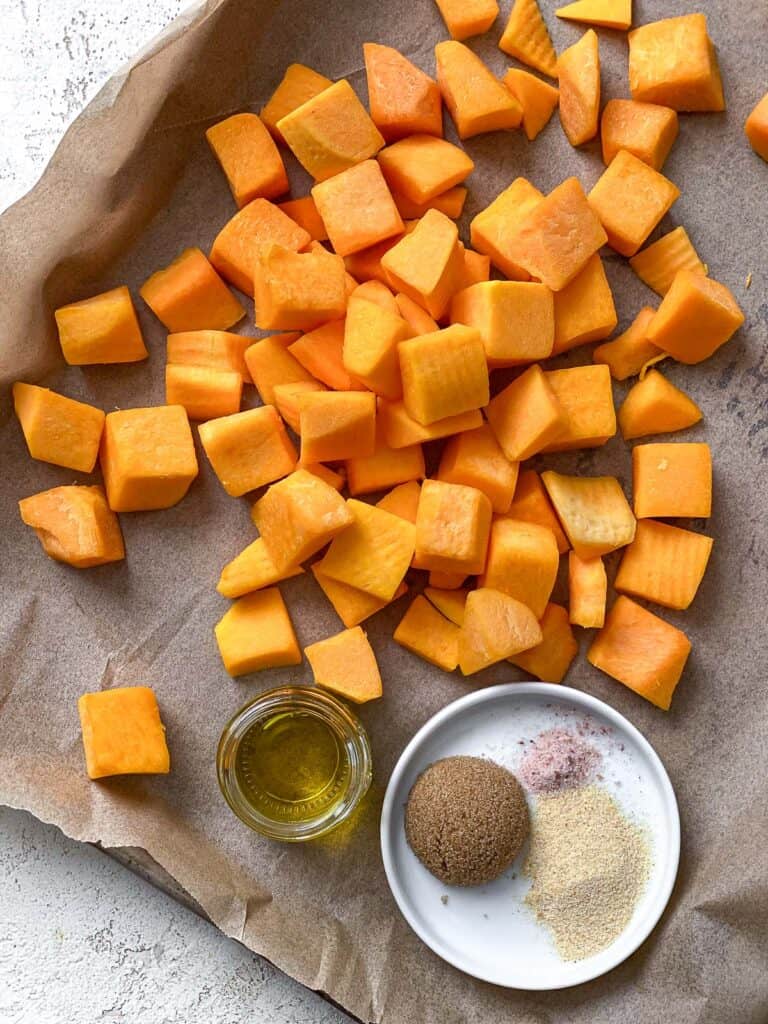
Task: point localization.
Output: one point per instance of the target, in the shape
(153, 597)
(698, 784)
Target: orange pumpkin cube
(346, 665)
(578, 72)
(531, 505)
(628, 353)
(593, 511)
(465, 18)
(147, 458)
(74, 525)
(304, 212)
(372, 337)
(672, 479)
(526, 37)
(248, 157)
(257, 633)
(657, 265)
(476, 99)
(537, 98)
(331, 131)
(450, 603)
(298, 84)
(451, 203)
(337, 425)
(357, 208)
(402, 99)
(586, 397)
(102, 329)
(588, 590)
(402, 500)
(321, 353)
(271, 363)
(444, 374)
(496, 626)
(673, 62)
(254, 228)
(400, 430)
(664, 564)
(584, 309)
(298, 291)
(516, 319)
(248, 449)
(58, 429)
(426, 633)
(385, 468)
(526, 416)
(219, 350)
(351, 605)
(453, 524)
(188, 295)
(422, 167)
(123, 733)
(204, 392)
(522, 561)
(477, 267)
(251, 570)
(646, 130)
(606, 13)
(494, 230)
(655, 406)
(377, 293)
(474, 458)
(287, 400)
(696, 317)
(550, 659)
(756, 128)
(336, 478)
(428, 263)
(299, 515)
(641, 651)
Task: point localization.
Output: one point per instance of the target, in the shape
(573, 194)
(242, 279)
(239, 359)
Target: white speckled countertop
(81, 938)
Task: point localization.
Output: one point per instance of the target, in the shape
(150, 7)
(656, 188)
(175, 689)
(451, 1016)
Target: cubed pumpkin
(287, 400)
(451, 203)
(578, 72)
(526, 416)
(450, 603)
(428, 634)
(657, 265)
(646, 130)
(402, 500)
(353, 606)
(101, 329)
(270, 363)
(252, 569)
(605, 13)
(372, 337)
(321, 353)
(298, 84)
(526, 37)
(346, 665)
(257, 633)
(593, 511)
(249, 158)
(386, 467)
(655, 406)
(248, 449)
(672, 479)
(377, 293)
(531, 505)
(188, 295)
(664, 564)
(123, 733)
(550, 659)
(474, 458)
(522, 561)
(696, 317)
(516, 319)
(298, 291)
(476, 99)
(400, 430)
(496, 626)
(537, 98)
(444, 374)
(626, 354)
(403, 100)
(357, 208)
(303, 211)
(75, 525)
(422, 167)
(673, 62)
(219, 350)
(494, 230)
(204, 392)
(584, 309)
(428, 263)
(453, 525)
(58, 429)
(585, 395)
(587, 591)
(465, 18)
(337, 425)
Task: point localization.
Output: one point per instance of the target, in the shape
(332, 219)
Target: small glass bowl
(349, 734)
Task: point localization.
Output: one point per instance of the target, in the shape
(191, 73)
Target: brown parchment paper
(130, 186)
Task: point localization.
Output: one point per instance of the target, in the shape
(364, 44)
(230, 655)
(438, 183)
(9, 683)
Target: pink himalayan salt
(558, 759)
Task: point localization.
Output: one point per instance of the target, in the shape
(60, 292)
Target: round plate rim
(580, 699)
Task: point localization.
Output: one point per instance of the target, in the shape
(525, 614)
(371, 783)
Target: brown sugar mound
(466, 819)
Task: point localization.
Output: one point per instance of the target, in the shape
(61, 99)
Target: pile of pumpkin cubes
(388, 333)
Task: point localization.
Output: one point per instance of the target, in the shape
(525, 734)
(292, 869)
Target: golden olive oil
(292, 766)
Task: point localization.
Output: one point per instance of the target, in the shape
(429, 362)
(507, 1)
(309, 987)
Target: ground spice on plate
(589, 866)
(558, 759)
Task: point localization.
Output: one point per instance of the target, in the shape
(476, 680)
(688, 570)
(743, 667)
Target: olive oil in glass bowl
(294, 763)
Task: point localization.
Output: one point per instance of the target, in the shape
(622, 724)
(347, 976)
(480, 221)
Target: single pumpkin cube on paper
(756, 128)
(557, 236)
(496, 626)
(123, 733)
(642, 651)
(550, 659)
(605, 13)
(578, 72)
(75, 525)
(516, 319)
(465, 18)
(257, 633)
(204, 392)
(386, 467)
(298, 291)
(585, 395)
(593, 511)
(537, 98)
(402, 500)
(450, 603)
(251, 570)
(422, 167)
(58, 429)
(444, 374)
(249, 158)
(531, 505)
(673, 62)
(102, 329)
(646, 130)
(656, 406)
(626, 354)
(373, 554)
(426, 633)
(346, 665)
(526, 37)
(587, 590)
(630, 198)
(337, 425)
(331, 132)
(584, 309)
(671, 480)
(474, 458)
(219, 350)
(403, 100)
(298, 84)
(494, 230)
(288, 400)
(428, 263)
(352, 606)
(188, 295)
(522, 561)
(453, 525)
(657, 265)
(299, 515)
(696, 317)
(526, 416)
(248, 449)
(476, 99)
(271, 363)
(147, 458)
(372, 337)
(400, 430)
(321, 353)
(664, 564)
(253, 229)
(357, 208)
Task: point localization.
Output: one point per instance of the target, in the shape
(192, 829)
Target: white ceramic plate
(488, 931)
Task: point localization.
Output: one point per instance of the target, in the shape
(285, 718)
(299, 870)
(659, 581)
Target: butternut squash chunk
(400, 430)
(673, 62)
(219, 350)
(298, 84)
(495, 229)
(522, 561)
(476, 99)
(593, 511)
(425, 632)
(655, 406)
(588, 590)
(584, 309)
(428, 263)
(372, 336)
(346, 665)
(526, 416)
(628, 353)
(516, 319)
(495, 627)
(402, 500)
(537, 98)
(271, 363)
(58, 429)
(477, 267)
(422, 167)
(357, 208)
(204, 392)
(550, 659)
(257, 633)
(526, 37)
(248, 449)
(385, 468)
(465, 18)
(298, 291)
(756, 128)
(351, 605)
(188, 295)
(453, 525)
(249, 158)
(474, 458)
(123, 733)
(585, 395)
(672, 479)
(74, 525)
(664, 564)
(304, 212)
(578, 72)
(606, 13)
(531, 505)
(402, 99)
(251, 570)
(451, 203)
(378, 294)
(101, 329)
(696, 317)
(444, 374)
(646, 130)
(657, 265)
(449, 603)
(337, 425)
(287, 400)
(321, 353)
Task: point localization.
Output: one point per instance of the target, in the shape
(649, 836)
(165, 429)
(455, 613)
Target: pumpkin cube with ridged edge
(664, 564)
(372, 336)
(476, 99)
(298, 84)
(257, 633)
(204, 392)
(673, 62)
(352, 606)
(444, 374)
(453, 524)
(75, 525)
(584, 309)
(522, 561)
(550, 659)
(357, 208)
(426, 633)
(526, 38)
(496, 626)
(526, 415)
(593, 511)
(299, 515)
(586, 396)
(516, 319)
(428, 263)
(422, 167)
(672, 479)
(101, 329)
(587, 591)
(531, 505)
(402, 500)
(58, 429)
(249, 449)
(346, 665)
(337, 425)
(249, 158)
(147, 458)
(474, 458)
(123, 733)
(657, 265)
(188, 295)
(373, 554)
(696, 317)
(298, 291)
(251, 570)
(219, 350)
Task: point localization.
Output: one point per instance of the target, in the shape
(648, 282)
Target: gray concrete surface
(83, 940)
